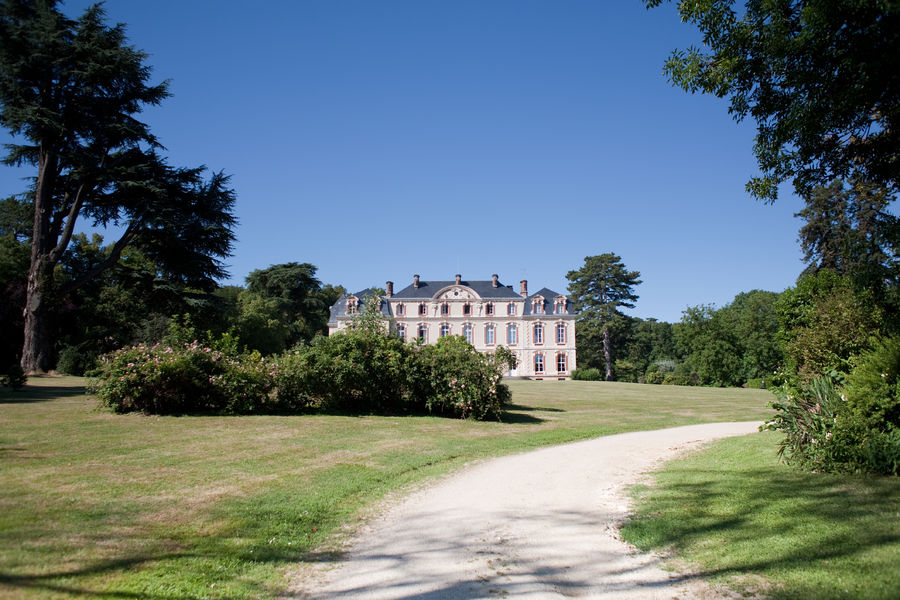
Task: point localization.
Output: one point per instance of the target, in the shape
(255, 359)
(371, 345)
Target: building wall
(447, 310)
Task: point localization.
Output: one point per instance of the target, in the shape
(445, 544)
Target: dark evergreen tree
(599, 289)
(70, 91)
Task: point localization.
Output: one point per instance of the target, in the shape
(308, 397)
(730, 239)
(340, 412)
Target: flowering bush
(363, 370)
(456, 380)
(175, 380)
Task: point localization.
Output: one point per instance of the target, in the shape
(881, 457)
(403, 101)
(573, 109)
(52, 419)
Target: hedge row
(357, 371)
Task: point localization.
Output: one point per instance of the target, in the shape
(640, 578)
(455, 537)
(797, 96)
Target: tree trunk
(607, 353)
(37, 351)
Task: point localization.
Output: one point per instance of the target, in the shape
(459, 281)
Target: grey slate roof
(427, 289)
(549, 304)
(339, 308)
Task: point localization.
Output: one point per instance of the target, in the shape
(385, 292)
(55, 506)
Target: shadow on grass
(777, 520)
(30, 393)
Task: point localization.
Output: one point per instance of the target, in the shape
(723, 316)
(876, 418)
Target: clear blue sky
(376, 140)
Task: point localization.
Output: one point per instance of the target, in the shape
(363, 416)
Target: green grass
(130, 506)
(738, 516)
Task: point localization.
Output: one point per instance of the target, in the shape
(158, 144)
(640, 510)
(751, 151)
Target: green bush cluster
(362, 370)
(851, 424)
(15, 377)
(588, 374)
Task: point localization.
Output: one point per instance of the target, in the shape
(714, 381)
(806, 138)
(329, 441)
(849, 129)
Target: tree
(599, 289)
(71, 90)
(848, 229)
(298, 295)
(712, 350)
(819, 77)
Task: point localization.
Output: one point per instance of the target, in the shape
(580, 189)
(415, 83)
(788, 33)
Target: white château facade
(539, 328)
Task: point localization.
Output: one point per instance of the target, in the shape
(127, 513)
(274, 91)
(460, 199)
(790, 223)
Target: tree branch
(109, 261)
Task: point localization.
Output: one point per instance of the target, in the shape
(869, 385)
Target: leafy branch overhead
(819, 78)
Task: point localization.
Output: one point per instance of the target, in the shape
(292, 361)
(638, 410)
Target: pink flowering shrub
(363, 370)
(191, 378)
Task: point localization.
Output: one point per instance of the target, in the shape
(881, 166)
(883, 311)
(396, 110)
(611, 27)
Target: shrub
(589, 374)
(75, 360)
(654, 377)
(677, 379)
(15, 377)
(457, 380)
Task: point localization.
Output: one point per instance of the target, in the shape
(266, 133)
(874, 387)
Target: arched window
(401, 309)
(489, 308)
(467, 332)
(445, 309)
(489, 334)
(351, 305)
(445, 329)
(401, 331)
(423, 309)
(467, 309)
(561, 363)
(423, 332)
(511, 309)
(512, 335)
(560, 333)
(538, 363)
(538, 333)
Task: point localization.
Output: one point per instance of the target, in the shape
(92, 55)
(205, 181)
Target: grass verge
(132, 506)
(736, 515)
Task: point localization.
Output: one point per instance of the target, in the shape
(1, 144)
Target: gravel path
(537, 525)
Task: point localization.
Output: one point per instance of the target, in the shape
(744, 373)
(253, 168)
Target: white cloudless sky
(377, 140)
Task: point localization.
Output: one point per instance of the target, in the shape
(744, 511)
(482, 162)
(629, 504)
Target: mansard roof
(428, 289)
(549, 297)
(339, 308)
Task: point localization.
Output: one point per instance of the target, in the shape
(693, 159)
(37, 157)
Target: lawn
(735, 515)
(126, 506)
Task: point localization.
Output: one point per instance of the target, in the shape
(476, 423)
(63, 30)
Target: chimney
(458, 278)
(523, 288)
(389, 288)
(494, 279)
(415, 281)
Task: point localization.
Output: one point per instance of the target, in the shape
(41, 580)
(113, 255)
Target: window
(511, 308)
(467, 332)
(489, 308)
(561, 363)
(538, 333)
(401, 309)
(401, 331)
(423, 310)
(423, 332)
(467, 309)
(351, 305)
(537, 306)
(445, 329)
(538, 363)
(489, 335)
(445, 309)
(512, 335)
(560, 333)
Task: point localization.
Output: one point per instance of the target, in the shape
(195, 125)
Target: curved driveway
(537, 525)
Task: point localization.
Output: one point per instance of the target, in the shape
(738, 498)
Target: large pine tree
(70, 90)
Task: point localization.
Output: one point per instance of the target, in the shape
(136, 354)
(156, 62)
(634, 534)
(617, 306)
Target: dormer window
(352, 305)
(560, 305)
(537, 305)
